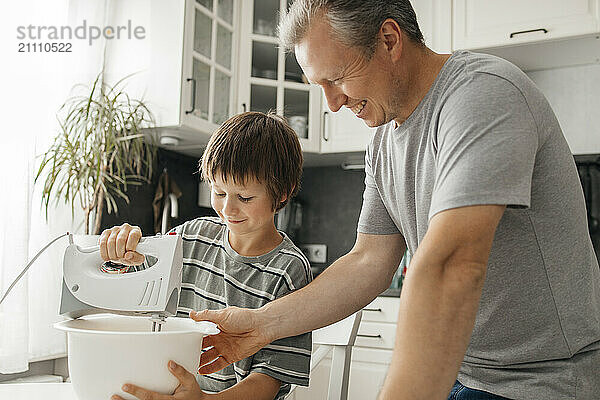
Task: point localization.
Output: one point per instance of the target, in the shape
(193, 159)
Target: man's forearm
(345, 287)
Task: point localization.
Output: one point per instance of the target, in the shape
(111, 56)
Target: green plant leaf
(102, 146)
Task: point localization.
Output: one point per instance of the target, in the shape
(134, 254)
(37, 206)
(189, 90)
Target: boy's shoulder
(290, 259)
(210, 227)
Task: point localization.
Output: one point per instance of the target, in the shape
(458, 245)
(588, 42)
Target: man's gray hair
(354, 23)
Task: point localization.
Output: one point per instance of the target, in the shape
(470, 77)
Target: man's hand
(188, 388)
(242, 334)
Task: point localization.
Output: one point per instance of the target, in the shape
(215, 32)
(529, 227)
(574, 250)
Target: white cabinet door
(435, 21)
(185, 67)
(209, 67)
(154, 63)
(490, 23)
(367, 374)
(343, 131)
(367, 378)
(270, 79)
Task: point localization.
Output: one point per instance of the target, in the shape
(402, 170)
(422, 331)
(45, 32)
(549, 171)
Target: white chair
(339, 338)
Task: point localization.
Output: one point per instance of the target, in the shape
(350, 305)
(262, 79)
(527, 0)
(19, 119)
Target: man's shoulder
(481, 84)
(473, 71)
(469, 62)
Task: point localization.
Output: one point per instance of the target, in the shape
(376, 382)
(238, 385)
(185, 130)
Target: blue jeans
(461, 392)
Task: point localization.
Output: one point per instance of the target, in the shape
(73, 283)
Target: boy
(254, 164)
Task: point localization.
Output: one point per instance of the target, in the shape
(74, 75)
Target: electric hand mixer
(88, 289)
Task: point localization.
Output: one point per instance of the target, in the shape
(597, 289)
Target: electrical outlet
(316, 253)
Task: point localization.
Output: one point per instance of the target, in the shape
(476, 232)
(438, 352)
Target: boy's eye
(219, 194)
(244, 199)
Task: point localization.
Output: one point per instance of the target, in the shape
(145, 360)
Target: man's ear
(391, 37)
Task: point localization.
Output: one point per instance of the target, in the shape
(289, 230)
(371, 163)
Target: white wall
(574, 94)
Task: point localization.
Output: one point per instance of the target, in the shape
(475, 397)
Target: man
(470, 170)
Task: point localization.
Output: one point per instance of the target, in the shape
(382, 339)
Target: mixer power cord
(32, 261)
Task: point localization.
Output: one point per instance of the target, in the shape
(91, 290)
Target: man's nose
(335, 98)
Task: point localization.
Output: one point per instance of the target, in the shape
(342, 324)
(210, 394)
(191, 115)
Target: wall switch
(316, 253)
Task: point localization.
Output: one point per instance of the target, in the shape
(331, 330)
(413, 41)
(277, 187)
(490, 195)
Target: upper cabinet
(270, 79)
(209, 60)
(480, 24)
(435, 20)
(185, 68)
(342, 131)
(564, 32)
(202, 61)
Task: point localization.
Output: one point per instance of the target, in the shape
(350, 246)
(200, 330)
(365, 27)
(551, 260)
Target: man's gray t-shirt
(484, 134)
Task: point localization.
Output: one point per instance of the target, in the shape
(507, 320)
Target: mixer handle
(144, 247)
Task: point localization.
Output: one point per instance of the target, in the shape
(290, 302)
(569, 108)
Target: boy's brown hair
(256, 145)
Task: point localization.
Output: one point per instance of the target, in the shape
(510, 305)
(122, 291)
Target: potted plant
(99, 151)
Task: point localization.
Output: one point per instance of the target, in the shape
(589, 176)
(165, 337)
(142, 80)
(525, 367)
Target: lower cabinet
(371, 355)
(367, 374)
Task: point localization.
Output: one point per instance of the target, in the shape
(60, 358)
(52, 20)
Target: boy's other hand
(118, 244)
(240, 337)
(188, 388)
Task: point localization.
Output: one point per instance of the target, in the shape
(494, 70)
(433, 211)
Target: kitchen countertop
(34, 391)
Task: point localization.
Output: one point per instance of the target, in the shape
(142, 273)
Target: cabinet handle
(373, 309)
(244, 106)
(529, 31)
(369, 336)
(193, 95)
(324, 127)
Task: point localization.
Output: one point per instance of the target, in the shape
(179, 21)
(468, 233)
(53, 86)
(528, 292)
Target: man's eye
(219, 194)
(244, 199)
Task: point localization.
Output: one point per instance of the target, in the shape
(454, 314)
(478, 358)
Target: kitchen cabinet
(563, 32)
(342, 131)
(435, 21)
(270, 79)
(185, 68)
(201, 62)
(367, 374)
(371, 355)
(488, 23)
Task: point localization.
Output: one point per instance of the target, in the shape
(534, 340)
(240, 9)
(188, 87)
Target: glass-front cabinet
(210, 59)
(203, 61)
(185, 68)
(270, 79)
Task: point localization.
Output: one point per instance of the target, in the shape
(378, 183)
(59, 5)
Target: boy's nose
(229, 208)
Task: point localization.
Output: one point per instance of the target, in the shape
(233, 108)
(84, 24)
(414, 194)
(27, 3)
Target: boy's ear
(282, 199)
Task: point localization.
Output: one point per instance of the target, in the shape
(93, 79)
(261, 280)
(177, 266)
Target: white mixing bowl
(106, 351)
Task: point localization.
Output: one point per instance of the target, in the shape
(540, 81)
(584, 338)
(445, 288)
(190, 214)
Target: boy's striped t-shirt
(215, 277)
